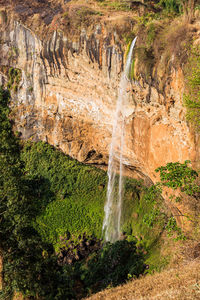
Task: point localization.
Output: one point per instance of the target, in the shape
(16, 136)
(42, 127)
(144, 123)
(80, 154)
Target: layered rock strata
(67, 94)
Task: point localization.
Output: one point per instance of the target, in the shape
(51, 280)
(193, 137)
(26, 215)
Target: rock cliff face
(67, 92)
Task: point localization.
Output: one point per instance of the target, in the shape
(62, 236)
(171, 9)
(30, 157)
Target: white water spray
(112, 208)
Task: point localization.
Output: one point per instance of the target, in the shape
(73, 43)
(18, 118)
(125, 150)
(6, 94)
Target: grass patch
(75, 192)
(171, 6)
(144, 218)
(75, 214)
(155, 260)
(192, 94)
(115, 5)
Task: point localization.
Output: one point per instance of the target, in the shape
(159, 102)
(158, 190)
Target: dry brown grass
(179, 283)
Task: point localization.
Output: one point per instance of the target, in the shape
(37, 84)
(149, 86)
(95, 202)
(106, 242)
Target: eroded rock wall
(67, 96)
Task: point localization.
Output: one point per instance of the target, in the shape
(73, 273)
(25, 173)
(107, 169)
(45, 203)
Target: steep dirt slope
(179, 283)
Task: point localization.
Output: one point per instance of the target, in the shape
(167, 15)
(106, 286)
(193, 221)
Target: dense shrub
(73, 194)
(46, 195)
(29, 265)
(112, 265)
(177, 175)
(171, 6)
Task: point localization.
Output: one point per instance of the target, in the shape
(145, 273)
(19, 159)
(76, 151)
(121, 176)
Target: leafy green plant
(172, 227)
(112, 265)
(44, 195)
(143, 215)
(150, 219)
(77, 193)
(177, 175)
(25, 267)
(181, 177)
(153, 199)
(171, 6)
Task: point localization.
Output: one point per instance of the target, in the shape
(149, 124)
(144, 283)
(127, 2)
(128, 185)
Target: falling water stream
(112, 208)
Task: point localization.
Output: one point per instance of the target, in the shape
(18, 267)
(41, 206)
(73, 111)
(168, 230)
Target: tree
(177, 175)
(29, 265)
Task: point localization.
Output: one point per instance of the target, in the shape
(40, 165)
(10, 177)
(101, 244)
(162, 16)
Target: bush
(177, 175)
(171, 6)
(29, 265)
(112, 265)
(75, 193)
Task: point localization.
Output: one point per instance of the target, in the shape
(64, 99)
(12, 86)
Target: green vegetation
(145, 221)
(151, 33)
(76, 193)
(115, 5)
(192, 96)
(14, 78)
(179, 176)
(172, 227)
(118, 5)
(25, 267)
(47, 196)
(144, 215)
(45, 187)
(112, 265)
(76, 196)
(171, 6)
(13, 53)
(131, 74)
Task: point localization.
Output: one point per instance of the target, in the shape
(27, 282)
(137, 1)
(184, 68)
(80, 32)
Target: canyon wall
(67, 92)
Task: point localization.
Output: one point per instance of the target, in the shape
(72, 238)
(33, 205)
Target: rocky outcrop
(68, 89)
(67, 93)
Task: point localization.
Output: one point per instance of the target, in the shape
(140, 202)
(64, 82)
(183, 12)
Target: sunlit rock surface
(67, 97)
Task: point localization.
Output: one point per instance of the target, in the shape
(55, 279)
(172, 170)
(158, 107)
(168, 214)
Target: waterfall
(112, 208)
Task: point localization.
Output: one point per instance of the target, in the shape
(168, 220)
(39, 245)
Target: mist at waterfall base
(113, 206)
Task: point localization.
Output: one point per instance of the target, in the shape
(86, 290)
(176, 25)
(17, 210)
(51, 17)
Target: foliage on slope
(192, 93)
(45, 195)
(29, 262)
(29, 265)
(180, 282)
(75, 193)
